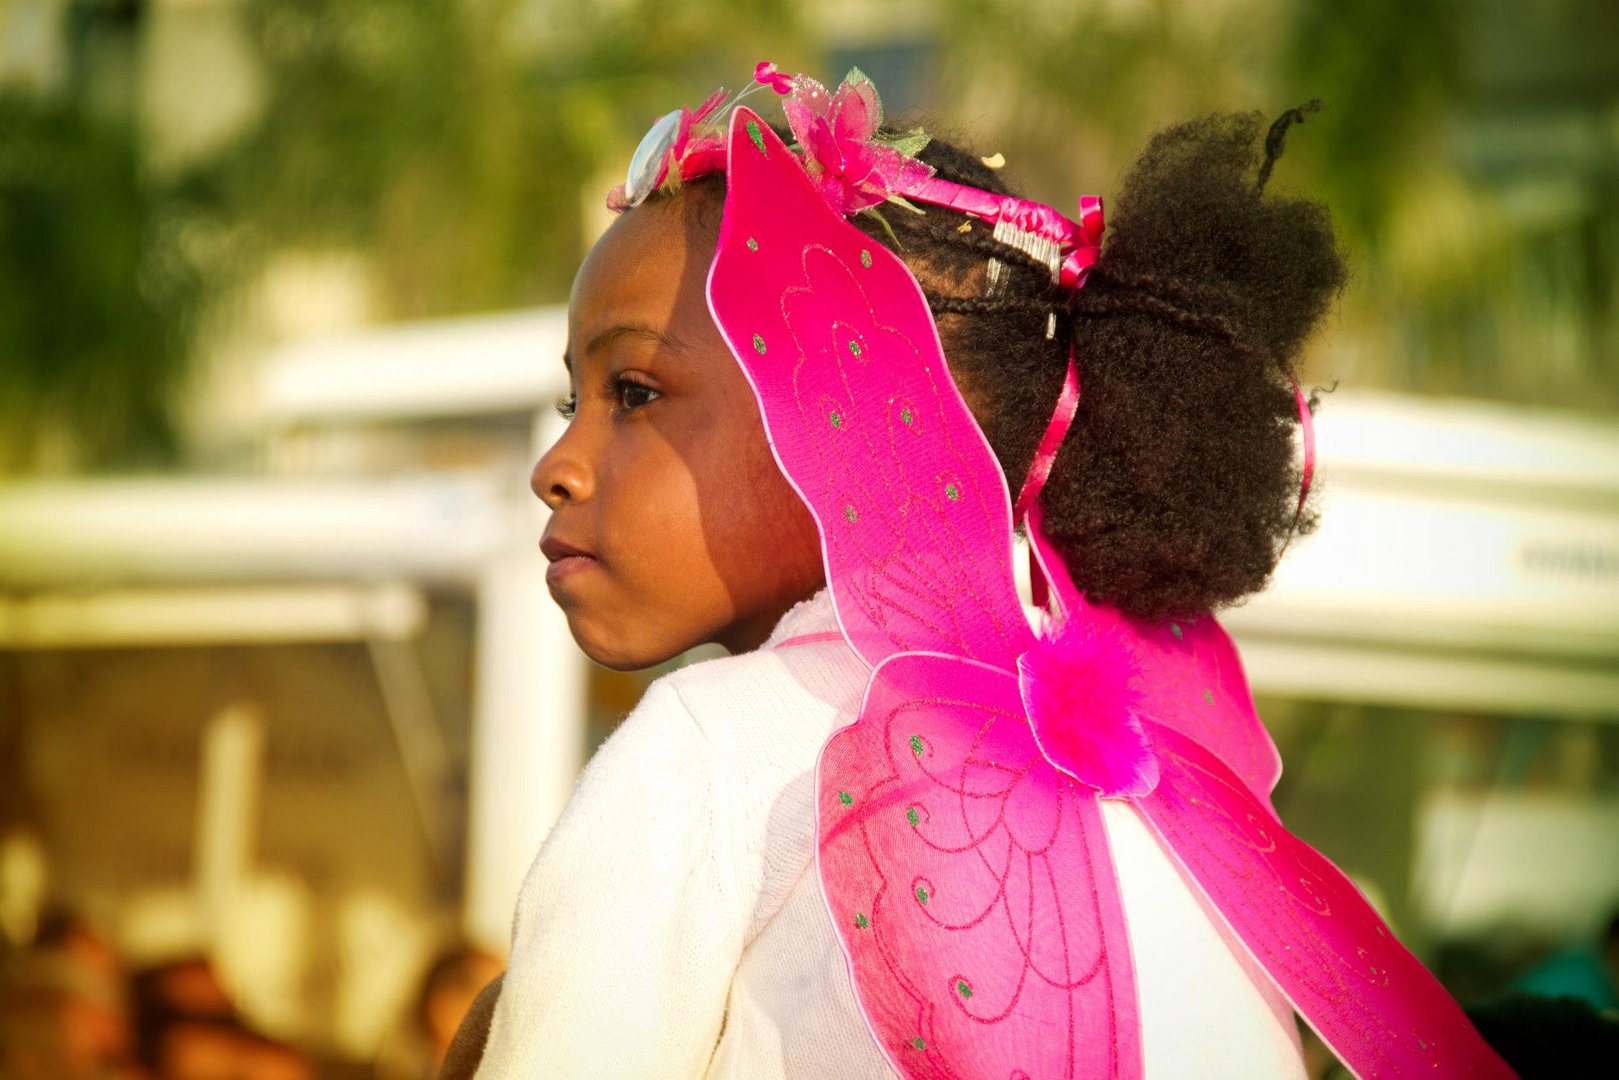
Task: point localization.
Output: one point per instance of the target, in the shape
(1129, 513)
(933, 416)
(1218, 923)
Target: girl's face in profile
(671, 525)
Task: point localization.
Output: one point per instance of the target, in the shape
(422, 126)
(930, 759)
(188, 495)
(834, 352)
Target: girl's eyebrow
(619, 330)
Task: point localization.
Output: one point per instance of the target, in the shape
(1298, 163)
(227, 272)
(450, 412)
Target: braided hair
(1176, 486)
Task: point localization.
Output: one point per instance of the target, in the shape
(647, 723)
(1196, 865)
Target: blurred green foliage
(96, 302)
(451, 142)
(405, 130)
(459, 149)
(448, 143)
(1390, 69)
(1469, 151)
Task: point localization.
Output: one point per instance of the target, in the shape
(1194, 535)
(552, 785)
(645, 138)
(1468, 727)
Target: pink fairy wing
(969, 879)
(1306, 924)
(913, 512)
(1308, 927)
(1190, 677)
(971, 885)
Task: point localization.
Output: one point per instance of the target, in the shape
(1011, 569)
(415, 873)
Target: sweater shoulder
(771, 704)
(764, 717)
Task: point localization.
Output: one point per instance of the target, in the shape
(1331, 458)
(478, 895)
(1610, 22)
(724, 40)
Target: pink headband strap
(1080, 242)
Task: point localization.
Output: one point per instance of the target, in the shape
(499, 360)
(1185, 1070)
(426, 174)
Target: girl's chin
(617, 651)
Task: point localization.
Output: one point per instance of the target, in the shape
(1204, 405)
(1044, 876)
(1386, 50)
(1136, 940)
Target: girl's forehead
(648, 270)
(646, 260)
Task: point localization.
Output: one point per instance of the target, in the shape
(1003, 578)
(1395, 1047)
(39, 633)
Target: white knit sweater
(672, 924)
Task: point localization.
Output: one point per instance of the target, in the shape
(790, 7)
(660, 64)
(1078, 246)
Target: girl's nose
(561, 477)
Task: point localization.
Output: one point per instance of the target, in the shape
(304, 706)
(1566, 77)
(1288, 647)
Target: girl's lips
(566, 559)
(567, 566)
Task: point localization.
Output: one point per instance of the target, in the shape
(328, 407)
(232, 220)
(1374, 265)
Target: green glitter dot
(1208, 696)
(913, 817)
(758, 344)
(916, 745)
(854, 348)
(865, 258)
(922, 894)
(835, 418)
(918, 1043)
(845, 798)
(905, 416)
(753, 245)
(963, 989)
(850, 513)
(860, 921)
(952, 492)
(754, 134)
(1175, 628)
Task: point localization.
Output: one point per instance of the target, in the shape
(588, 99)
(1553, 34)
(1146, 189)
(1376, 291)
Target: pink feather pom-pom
(1079, 689)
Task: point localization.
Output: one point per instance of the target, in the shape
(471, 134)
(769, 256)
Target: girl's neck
(755, 630)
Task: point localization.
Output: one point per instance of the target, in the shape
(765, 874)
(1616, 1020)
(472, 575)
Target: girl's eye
(567, 406)
(632, 394)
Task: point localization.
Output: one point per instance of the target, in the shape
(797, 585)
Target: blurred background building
(280, 335)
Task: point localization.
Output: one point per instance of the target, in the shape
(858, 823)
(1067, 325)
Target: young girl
(707, 905)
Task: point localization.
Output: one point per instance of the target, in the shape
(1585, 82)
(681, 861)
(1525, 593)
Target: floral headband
(856, 167)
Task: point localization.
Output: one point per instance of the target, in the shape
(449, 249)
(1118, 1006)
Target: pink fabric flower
(1079, 690)
(690, 118)
(838, 132)
(681, 155)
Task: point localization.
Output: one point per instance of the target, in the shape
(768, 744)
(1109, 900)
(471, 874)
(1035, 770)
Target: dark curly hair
(1176, 487)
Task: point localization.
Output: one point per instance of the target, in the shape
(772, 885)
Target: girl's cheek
(630, 450)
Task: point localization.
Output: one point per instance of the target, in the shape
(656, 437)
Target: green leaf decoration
(911, 143)
(887, 228)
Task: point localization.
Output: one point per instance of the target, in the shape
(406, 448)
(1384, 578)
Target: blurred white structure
(1468, 556)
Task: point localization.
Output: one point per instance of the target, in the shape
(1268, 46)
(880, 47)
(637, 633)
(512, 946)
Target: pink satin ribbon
(1307, 423)
(1026, 508)
(1062, 418)
(1077, 266)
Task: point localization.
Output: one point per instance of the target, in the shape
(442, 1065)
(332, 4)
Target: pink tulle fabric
(838, 132)
(1086, 670)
